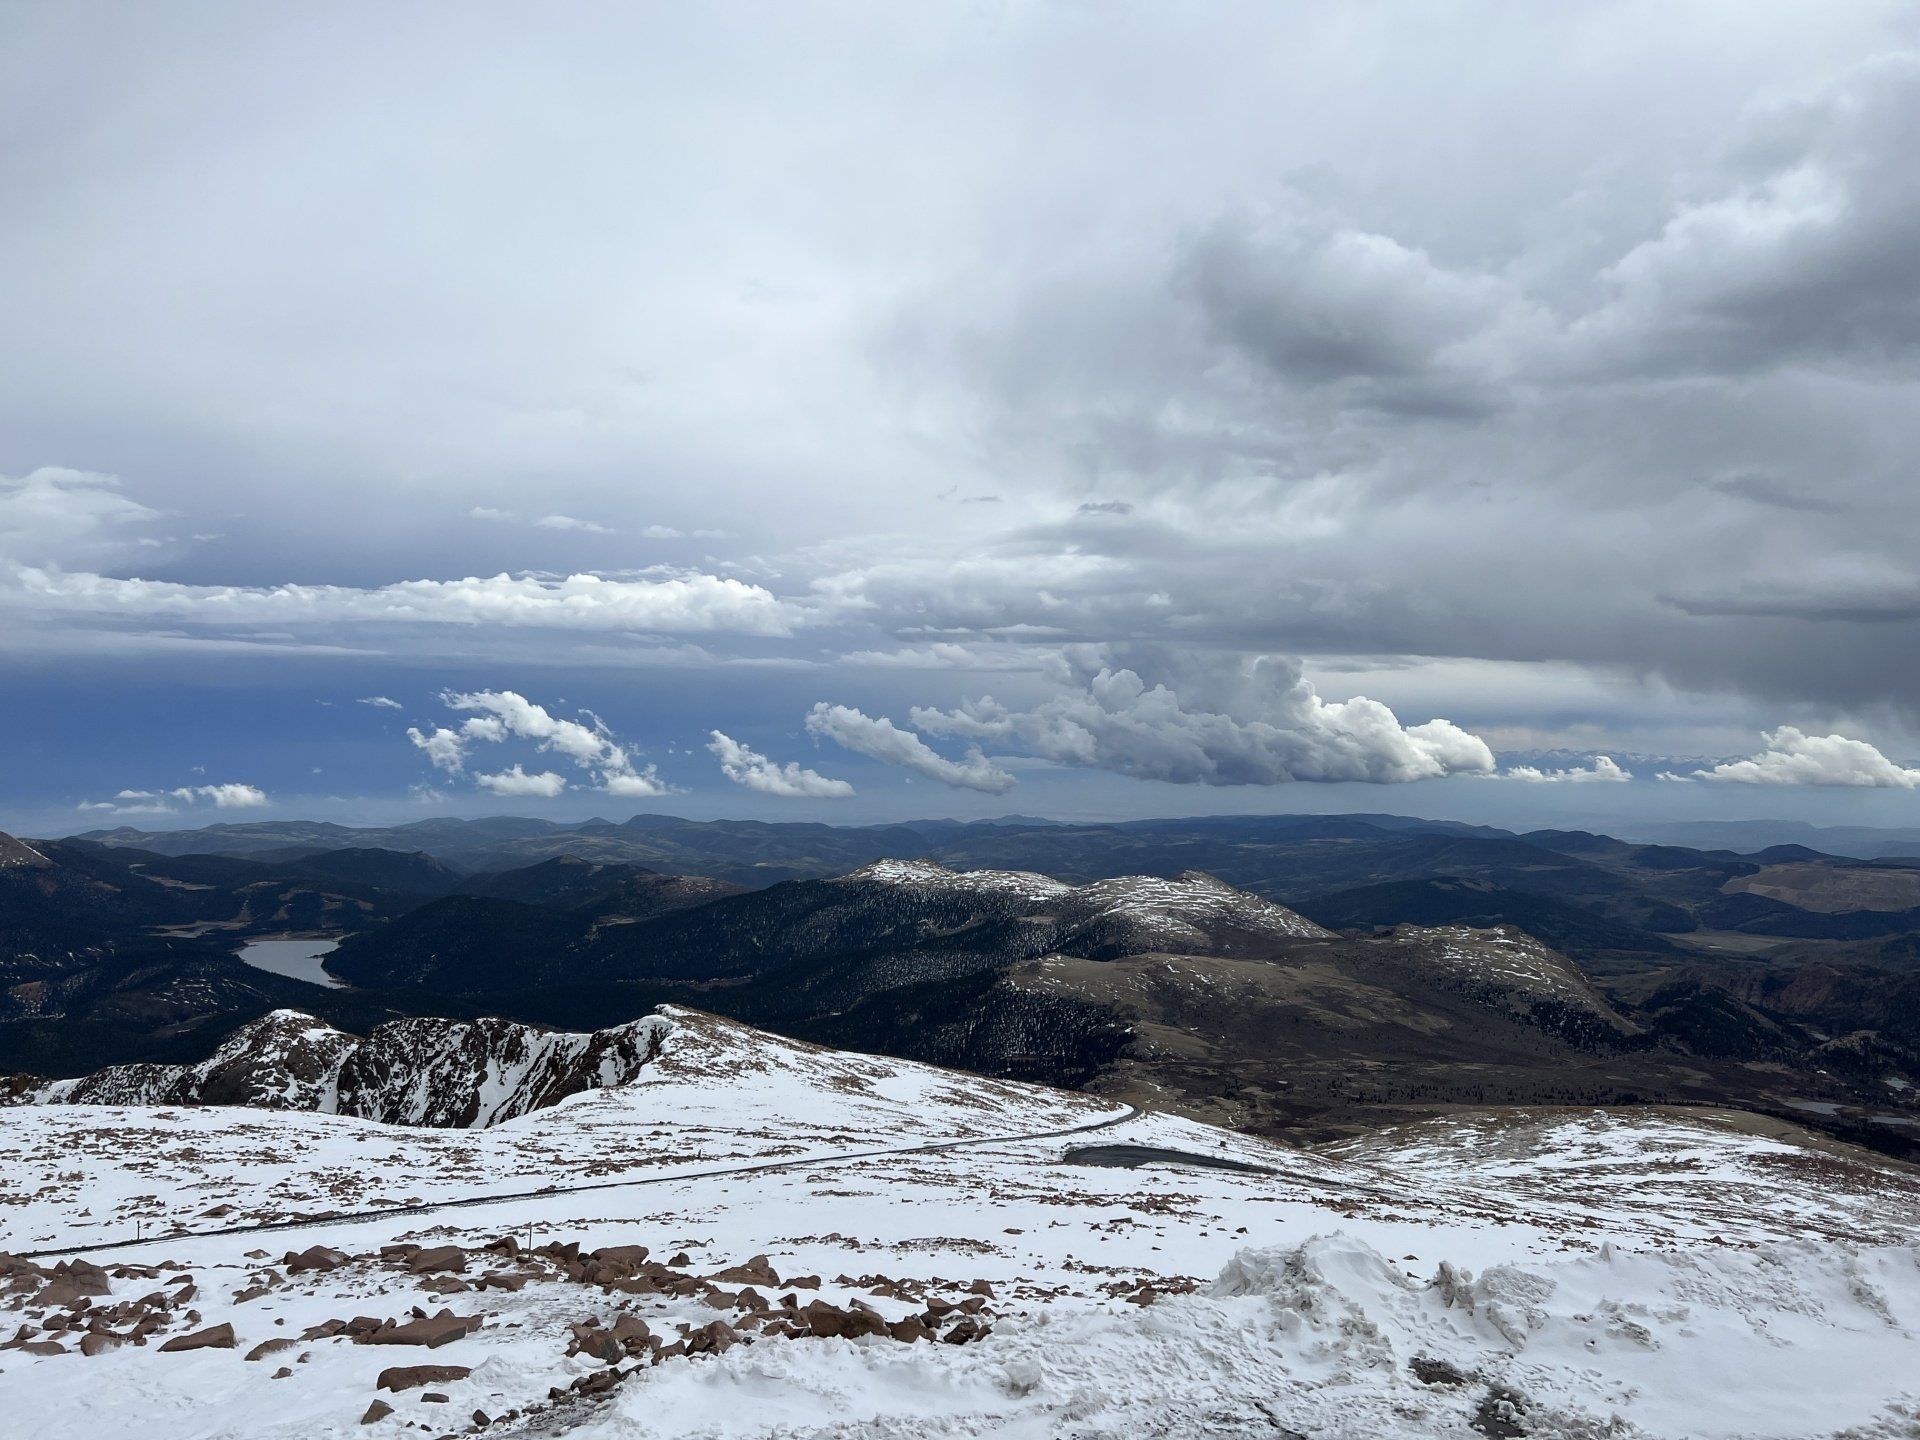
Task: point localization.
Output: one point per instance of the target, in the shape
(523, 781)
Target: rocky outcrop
(448, 1073)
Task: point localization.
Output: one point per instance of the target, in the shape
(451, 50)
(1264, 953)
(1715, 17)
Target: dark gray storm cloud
(1223, 396)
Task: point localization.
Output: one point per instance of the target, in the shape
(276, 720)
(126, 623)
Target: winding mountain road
(354, 1217)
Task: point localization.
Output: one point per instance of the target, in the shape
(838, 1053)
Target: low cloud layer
(680, 604)
(229, 796)
(1604, 771)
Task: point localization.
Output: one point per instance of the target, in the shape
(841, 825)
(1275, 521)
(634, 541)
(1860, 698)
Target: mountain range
(1318, 977)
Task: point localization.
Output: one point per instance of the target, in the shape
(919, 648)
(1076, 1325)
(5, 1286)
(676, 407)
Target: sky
(857, 411)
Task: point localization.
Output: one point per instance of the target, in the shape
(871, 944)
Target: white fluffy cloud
(228, 796)
(443, 747)
(881, 739)
(569, 522)
(1197, 721)
(380, 702)
(1793, 757)
(516, 781)
(756, 772)
(1604, 770)
(687, 603)
(494, 716)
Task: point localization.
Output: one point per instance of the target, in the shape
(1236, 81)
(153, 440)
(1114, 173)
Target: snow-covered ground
(1566, 1274)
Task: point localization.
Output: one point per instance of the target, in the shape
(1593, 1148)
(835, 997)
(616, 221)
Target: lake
(296, 959)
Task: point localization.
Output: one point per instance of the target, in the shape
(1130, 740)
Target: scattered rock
(378, 1410)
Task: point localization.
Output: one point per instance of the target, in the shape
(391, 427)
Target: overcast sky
(858, 411)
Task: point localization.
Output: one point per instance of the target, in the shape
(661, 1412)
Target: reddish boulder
(408, 1377)
(214, 1337)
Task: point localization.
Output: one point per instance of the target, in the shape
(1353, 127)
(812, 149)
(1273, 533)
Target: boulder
(409, 1377)
(314, 1257)
(214, 1337)
(432, 1331)
(378, 1410)
(712, 1339)
(441, 1257)
(271, 1347)
(757, 1271)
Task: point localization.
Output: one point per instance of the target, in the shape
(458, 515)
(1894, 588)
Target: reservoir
(296, 959)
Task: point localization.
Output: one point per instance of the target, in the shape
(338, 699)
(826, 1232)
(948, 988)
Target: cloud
(1603, 771)
(57, 511)
(1796, 249)
(882, 740)
(687, 603)
(515, 781)
(756, 772)
(951, 655)
(380, 702)
(444, 748)
(494, 716)
(1318, 302)
(1793, 757)
(224, 797)
(487, 512)
(228, 796)
(568, 522)
(1190, 720)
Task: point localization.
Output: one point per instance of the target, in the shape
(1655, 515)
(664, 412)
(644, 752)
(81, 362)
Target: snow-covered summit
(1167, 914)
(1141, 912)
(930, 874)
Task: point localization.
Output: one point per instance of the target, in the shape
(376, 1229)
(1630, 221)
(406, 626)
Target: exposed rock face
(448, 1073)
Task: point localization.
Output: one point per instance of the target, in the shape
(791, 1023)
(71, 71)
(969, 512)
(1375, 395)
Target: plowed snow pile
(772, 1250)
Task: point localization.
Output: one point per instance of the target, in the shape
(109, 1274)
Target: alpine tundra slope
(1570, 1273)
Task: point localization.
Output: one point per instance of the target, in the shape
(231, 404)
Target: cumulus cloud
(686, 603)
(495, 716)
(756, 772)
(1190, 720)
(568, 522)
(227, 796)
(881, 739)
(444, 748)
(516, 781)
(1793, 757)
(380, 702)
(1604, 770)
